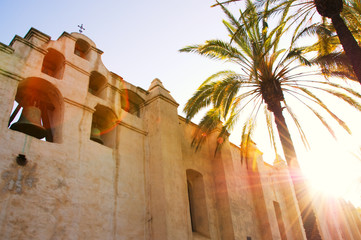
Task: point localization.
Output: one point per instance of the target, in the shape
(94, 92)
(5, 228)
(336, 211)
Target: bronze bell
(30, 122)
(95, 135)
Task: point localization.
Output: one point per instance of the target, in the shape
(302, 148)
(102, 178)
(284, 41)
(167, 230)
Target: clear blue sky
(140, 41)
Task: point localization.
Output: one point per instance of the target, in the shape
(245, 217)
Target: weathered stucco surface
(141, 182)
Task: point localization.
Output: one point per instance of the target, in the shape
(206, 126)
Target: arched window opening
(37, 110)
(82, 48)
(103, 128)
(53, 64)
(197, 203)
(97, 83)
(131, 102)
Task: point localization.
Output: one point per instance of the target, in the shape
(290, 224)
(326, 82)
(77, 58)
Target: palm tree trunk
(302, 194)
(285, 137)
(349, 44)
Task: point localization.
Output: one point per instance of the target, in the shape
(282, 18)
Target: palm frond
(208, 124)
(298, 125)
(268, 75)
(214, 49)
(323, 105)
(200, 99)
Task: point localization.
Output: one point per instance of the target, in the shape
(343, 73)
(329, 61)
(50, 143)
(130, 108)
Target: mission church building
(87, 155)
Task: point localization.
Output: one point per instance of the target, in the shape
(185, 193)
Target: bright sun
(333, 174)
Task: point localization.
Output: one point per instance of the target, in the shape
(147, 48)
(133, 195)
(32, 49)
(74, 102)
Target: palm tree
(326, 8)
(268, 76)
(351, 14)
(330, 56)
(326, 51)
(332, 9)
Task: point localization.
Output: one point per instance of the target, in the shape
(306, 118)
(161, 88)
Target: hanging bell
(30, 122)
(95, 135)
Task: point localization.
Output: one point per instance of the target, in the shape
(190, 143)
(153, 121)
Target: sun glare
(333, 174)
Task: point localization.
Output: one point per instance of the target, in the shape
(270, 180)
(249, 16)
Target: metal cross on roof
(81, 28)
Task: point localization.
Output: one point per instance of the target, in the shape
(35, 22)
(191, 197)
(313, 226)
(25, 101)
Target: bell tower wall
(74, 188)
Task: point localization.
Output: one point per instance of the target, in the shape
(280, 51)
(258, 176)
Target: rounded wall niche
(97, 84)
(82, 48)
(131, 102)
(53, 64)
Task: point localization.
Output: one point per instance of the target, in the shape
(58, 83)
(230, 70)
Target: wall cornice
(162, 98)
(29, 44)
(77, 68)
(11, 75)
(132, 128)
(79, 105)
(6, 49)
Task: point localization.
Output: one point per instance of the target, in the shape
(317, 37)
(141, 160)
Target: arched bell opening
(82, 48)
(131, 102)
(53, 64)
(97, 84)
(37, 110)
(103, 128)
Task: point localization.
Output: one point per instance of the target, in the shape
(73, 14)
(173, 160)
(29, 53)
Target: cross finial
(81, 28)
